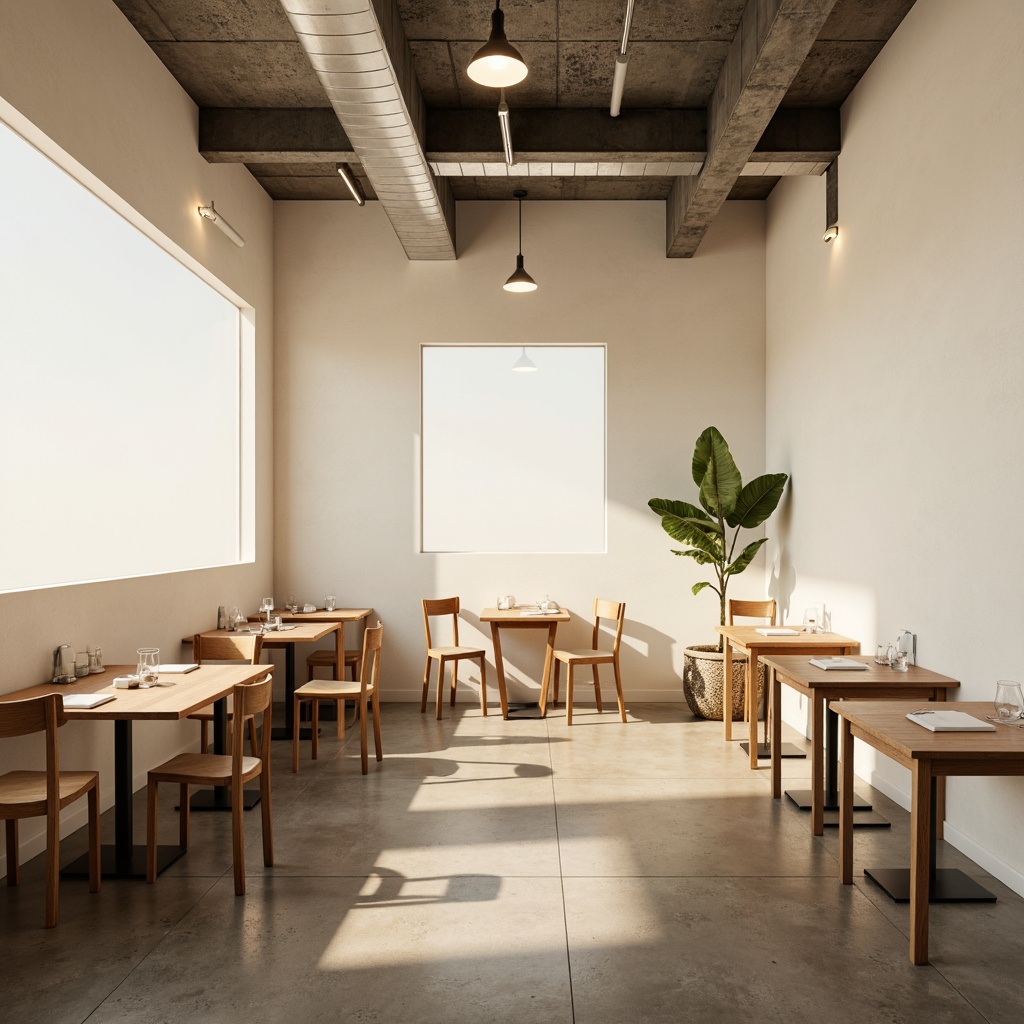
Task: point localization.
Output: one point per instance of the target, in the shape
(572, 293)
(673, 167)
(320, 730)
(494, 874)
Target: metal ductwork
(359, 51)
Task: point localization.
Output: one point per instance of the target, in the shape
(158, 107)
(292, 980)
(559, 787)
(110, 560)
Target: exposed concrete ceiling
(764, 79)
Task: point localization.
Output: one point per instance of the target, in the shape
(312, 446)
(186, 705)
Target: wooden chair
(454, 654)
(340, 691)
(246, 647)
(27, 794)
(766, 610)
(328, 658)
(234, 770)
(594, 656)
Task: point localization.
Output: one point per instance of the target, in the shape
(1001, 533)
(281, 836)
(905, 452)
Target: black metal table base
(764, 751)
(111, 866)
(802, 798)
(524, 709)
(947, 885)
(220, 800)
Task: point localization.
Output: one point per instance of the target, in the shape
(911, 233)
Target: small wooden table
(301, 633)
(821, 686)
(178, 697)
(523, 618)
(930, 756)
(756, 645)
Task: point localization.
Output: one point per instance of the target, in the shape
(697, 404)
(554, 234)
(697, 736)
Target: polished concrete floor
(490, 872)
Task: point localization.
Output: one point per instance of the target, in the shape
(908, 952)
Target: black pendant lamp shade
(520, 281)
(497, 64)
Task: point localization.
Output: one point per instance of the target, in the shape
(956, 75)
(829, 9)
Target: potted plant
(712, 532)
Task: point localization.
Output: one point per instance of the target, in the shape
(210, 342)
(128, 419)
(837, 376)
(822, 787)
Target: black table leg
(289, 698)
(123, 859)
(945, 885)
(803, 797)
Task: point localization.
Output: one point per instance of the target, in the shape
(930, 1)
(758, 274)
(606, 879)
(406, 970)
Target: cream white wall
(78, 71)
(894, 371)
(685, 349)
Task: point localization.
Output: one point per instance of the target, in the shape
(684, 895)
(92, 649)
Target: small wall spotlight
(210, 214)
(831, 233)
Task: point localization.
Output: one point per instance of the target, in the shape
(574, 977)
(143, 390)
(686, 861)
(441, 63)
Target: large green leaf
(681, 520)
(698, 587)
(745, 557)
(758, 500)
(702, 453)
(701, 557)
(721, 484)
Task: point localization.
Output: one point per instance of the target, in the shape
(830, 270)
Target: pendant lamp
(524, 364)
(497, 64)
(520, 281)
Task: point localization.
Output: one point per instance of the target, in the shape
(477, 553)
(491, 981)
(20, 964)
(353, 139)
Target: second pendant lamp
(520, 281)
(497, 64)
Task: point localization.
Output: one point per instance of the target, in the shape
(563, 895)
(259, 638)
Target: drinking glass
(882, 654)
(810, 620)
(266, 607)
(291, 604)
(330, 602)
(149, 665)
(1009, 702)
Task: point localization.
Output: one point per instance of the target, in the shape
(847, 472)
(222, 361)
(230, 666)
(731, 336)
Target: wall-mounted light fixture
(832, 201)
(352, 183)
(210, 214)
(621, 60)
(497, 64)
(524, 364)
(520, 281)
(506, 131)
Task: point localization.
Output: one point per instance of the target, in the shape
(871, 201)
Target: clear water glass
(1009, 702)
(149, 665)
(266, 607)
(330, 602)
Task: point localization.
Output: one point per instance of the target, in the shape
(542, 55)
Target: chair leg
(184, 815)
(315, 731)
(13, 870)
(296, 704)
(237, 838)
(363, 756)
(375, 707)
(554, 696)
(204, 739)
(339, 714)
(440, 688)
(597, 691)
(568, 693)
(483, 685)
(455, 678)
(426, 684)
(268, 826)
(94, 838)
(151, 791)
(254, 744)
(52, 864)
(618, 690)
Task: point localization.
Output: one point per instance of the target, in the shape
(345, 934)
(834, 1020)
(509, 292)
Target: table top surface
(525, 615)
(798, 667)
(320, 615)
(301, 632)
(179, 696)
(749, 638)
(885, 723)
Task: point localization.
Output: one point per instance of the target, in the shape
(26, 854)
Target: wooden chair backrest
(615, 610)
(38, 714)
(242, 647)
(442, 606)
(251, 699)
(752, 610)
(369, 667)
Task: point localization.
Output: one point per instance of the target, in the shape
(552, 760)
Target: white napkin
(308, 608)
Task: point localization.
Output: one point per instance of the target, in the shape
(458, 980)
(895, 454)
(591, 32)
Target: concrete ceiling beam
(765, 56)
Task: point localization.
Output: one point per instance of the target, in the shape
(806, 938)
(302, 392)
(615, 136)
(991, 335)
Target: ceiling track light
(524, 364)
(210, 214)
(520, 280)
(621, 60)
(497, 64)
(506, 131)
(831, 201)
(351, 183)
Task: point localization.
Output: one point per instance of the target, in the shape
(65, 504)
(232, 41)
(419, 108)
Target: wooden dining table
(299, 631)
(820, 686)
(930, 756)
(753, 642)
(175, 697)
(523, 618)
